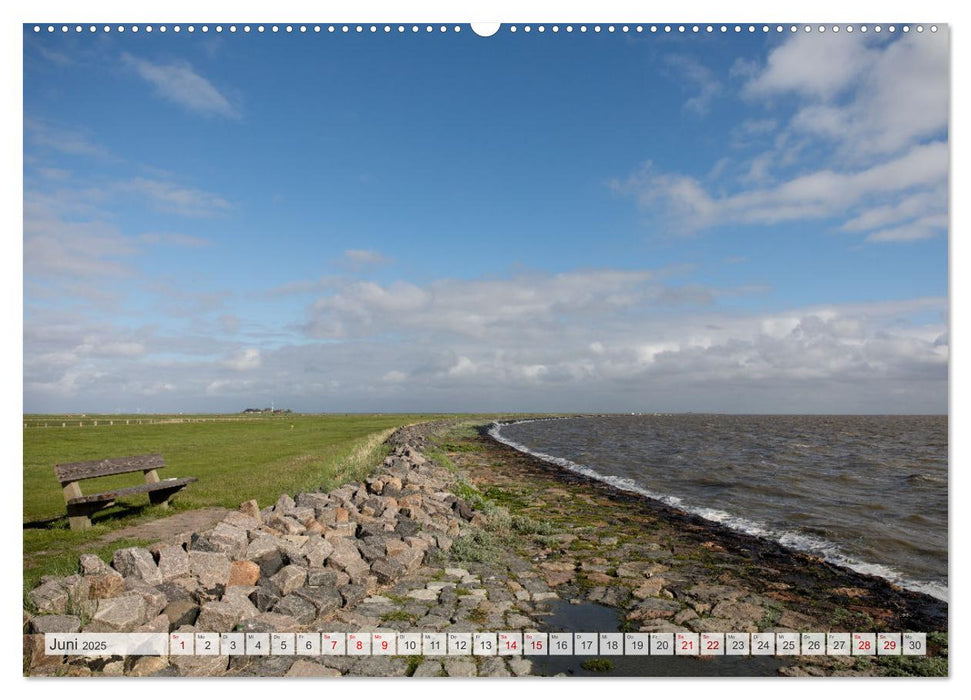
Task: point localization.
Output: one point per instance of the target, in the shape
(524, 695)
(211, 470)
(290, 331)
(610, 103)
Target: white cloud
(65, 240)
(174, 239)
(179, 83)
(566, 351)
(698, 79)
(899, 96)
(360, 258)
(865, 143)
(177, 199)
(244, 360)
(814, 64)
(821, 194)
(476, 308)
(63, 139)
(463, 367)
(916, 230)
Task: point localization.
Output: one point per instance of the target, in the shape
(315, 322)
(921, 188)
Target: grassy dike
(235, 459)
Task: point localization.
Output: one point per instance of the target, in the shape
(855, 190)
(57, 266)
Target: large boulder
(230, 540)
(119, 614)
(218, 616)
(296, 607)
(106, 584)
(211, 568)
(346, 557)
(173, 563)
(137, 562)
(243, 573)
(289, 578)
(50, 597)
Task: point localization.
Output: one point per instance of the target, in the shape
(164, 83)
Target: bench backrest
(77, 471)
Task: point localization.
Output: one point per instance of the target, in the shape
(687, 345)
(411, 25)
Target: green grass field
(234, 458)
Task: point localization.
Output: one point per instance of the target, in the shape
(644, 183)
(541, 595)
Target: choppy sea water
(865, 492)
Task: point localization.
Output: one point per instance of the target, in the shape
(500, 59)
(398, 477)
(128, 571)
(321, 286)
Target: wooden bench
(80, 507)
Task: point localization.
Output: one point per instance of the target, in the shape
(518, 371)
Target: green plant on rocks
(413, 663)
(598, 665)
(478, 616)
(461, 447)
(525, 525)
(478, 546)
(398, 616)
(773, 611)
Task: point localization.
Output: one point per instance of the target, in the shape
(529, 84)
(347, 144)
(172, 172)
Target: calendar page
(541, 348)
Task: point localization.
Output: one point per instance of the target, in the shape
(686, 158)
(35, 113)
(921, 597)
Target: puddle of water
(593, 617)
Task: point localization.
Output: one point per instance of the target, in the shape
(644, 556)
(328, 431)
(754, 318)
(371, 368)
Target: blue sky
(568, 221)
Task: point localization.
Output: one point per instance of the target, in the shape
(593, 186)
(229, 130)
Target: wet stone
(654, 608)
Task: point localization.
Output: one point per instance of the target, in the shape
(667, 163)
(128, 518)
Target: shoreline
(926, 612)
(488, 433)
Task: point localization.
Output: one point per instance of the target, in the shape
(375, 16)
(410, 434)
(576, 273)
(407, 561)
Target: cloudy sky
(534, 221)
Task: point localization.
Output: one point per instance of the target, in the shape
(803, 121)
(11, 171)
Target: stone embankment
(367, 556)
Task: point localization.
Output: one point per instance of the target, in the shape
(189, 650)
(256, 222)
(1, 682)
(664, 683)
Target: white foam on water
(817, 546)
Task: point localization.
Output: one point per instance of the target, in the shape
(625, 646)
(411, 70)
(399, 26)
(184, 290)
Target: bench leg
(79, 515)
(161, 498)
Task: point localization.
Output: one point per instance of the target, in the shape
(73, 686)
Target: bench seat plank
(78, 471)
(167, 484)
